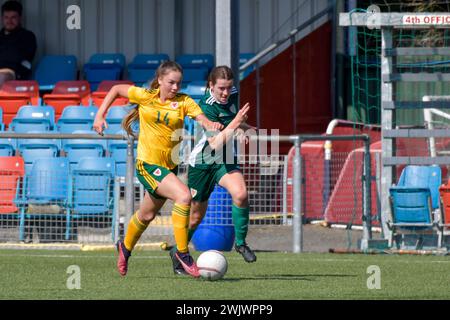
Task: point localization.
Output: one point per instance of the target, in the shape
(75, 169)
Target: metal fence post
(367, 199)
(116, 213)
(129, 181)
(297, 201)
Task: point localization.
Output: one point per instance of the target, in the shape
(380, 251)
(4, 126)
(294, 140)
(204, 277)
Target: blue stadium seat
(33, 118)
(76, 149)
(118, 151)
(423, 177)
(104, 66)
(7, 147)
(196, 67)
(195, 89)
(52, 69)
(413, 201)
(2, 125)
(76, 118)
(32, 149)
(114, 118)
(47, 184)
(244, 58)
(92, 191)
(143, 67)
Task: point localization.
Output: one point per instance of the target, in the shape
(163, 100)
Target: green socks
(190, 234)
(240, 220)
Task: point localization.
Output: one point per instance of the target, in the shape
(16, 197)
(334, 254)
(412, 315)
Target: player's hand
(99, 125)
(242, 116)
(216, 126)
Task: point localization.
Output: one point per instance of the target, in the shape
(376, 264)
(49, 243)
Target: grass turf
(42, 274)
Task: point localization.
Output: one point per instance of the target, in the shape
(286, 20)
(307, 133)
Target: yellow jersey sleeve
(140, 95)
(191, 109)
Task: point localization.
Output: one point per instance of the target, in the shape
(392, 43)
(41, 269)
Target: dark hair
(220, 72)
(163, 69)
(12, 5)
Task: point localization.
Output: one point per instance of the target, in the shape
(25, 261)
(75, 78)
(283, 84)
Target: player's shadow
(288, 277)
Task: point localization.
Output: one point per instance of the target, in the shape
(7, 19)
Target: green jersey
(202, 155)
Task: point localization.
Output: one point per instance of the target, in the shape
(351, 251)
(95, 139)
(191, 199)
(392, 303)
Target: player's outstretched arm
(207, 124)
(99, 121)
(224, 136)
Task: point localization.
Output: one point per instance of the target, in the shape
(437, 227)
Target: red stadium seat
(103, 88)
(15, 94)
(68, 93)
(444, 191)
(11, 169)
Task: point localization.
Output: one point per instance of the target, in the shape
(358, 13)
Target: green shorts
(202, 182)
(150, 174)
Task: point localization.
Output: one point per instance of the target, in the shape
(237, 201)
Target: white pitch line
(66, 256)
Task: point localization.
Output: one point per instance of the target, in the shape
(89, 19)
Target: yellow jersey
(160, 124)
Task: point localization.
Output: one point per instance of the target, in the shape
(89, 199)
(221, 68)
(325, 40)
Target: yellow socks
(180, 219)
(134, 232)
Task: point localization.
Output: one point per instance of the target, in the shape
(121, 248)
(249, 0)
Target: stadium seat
(7, 147)
(17, 93)
(2, 125)
(118, 152)
(12, 169)
(115, 117)
(76, 118)
(102, 90)
(104, 66)
(47, 184)
(413, 201)
(444, 219)
(143, 67)
(76, 149)
(54, 68)
(68, 93)
(33, 118)
(32, 149)
(92, 191)
(195, 89)
(196, 67)
(244, 58)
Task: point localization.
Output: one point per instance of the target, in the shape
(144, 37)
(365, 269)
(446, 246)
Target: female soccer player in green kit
(206, 169)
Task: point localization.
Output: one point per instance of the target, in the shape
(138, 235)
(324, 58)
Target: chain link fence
(86, 203)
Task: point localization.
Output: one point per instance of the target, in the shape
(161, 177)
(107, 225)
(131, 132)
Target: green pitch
(36, 274)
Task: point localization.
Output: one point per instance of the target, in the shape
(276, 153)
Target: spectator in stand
(17, 45)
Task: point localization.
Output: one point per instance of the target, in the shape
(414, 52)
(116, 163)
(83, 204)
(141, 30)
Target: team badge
(174, 105)
(193, 192)
(157, 172)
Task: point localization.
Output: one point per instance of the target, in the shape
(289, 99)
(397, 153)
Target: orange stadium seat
(11, 170)
(102, 90)
(444, 191)
(68, 93)
(15, 94)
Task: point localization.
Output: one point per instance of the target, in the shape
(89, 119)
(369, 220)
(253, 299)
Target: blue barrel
(216, 231)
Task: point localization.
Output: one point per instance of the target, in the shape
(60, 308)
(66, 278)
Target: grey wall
(164, 26)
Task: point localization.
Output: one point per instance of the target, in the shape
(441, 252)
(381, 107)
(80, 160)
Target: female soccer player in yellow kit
(160, 111)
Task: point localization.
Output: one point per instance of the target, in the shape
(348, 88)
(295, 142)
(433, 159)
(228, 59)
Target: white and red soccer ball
(212, 265)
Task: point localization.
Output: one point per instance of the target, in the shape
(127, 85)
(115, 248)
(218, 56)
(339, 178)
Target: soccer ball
(212, 265)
